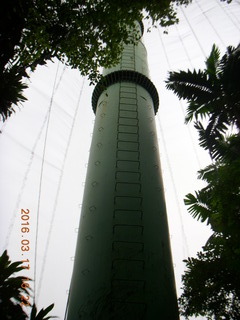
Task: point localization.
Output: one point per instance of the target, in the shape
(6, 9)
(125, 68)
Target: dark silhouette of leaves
(11, 291)
(211, 282)
(83, 34)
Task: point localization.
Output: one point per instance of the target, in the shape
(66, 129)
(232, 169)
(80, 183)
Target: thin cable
(164, 49)
(185, 253)
(60, 78)
(24, 181)
(28, 168)
(169, 166)
(227, 14)
(58, 189)
(40, 183)
(211, 24)
(184, 47)
(233, 13)
(193, 32)
(181, 105)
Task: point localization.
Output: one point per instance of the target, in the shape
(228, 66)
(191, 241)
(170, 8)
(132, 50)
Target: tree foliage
(212, 93)
(212, 280)
(11, 292)
(211, 283)
(42, 314)
(82, 34)
(10, 289)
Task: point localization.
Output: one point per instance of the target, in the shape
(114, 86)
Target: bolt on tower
(123, 266)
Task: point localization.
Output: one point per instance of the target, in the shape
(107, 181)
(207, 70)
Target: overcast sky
(45, 146)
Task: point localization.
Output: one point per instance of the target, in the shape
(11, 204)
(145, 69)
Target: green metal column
(123, 267)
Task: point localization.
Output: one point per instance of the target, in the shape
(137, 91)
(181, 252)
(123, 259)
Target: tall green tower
(123, 267)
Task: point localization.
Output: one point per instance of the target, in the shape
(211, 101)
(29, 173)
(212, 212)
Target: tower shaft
(123, 267)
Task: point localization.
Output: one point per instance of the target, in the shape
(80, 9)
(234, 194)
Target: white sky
(56, 193)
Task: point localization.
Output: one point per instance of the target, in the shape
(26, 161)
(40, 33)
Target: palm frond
(11, 289)
(189, 85)
(212, 93)
(41, 315)
(230, 70)
(206, 140)
(212, 63)
(7, 268)
(209, 173)
(212, 136)
(230, 148)
(230, 67)
(198, 205)
(196, 111)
